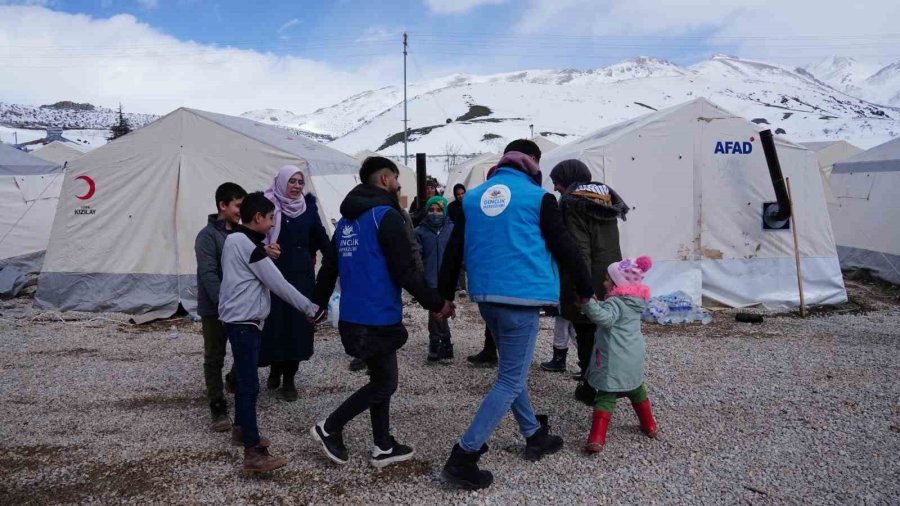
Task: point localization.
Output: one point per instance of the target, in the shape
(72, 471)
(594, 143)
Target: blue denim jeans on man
(515, 330)
(245, 341)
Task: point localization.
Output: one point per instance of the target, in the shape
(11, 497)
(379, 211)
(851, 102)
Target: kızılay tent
(697, 206)
(29, 191)
(123, 238)
(544, 143)
(59, 152)
(867, 211)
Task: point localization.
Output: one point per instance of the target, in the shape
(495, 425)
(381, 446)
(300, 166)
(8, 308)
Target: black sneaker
(357, 364)
(333, 444)
(482, 359)
(218, 413)
(397, 453)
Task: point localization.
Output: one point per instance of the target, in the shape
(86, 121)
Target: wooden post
(796, 249)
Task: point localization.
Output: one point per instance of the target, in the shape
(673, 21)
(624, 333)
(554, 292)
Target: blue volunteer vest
(506, 257)
(368, 294)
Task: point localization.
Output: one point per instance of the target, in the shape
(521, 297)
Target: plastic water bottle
(704, 317)
(173, 333)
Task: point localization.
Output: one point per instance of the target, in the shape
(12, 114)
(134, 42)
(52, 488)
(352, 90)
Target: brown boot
(258, 460)
(237, 438)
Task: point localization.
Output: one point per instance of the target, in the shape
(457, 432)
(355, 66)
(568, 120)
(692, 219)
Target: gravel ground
(789, 411)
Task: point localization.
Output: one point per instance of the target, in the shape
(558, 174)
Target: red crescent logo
(91, 188)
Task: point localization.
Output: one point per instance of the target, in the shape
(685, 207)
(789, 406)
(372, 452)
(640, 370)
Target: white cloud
(289, 24)
(148, 4)
(46, 56)
(790, 32)
(458, 6)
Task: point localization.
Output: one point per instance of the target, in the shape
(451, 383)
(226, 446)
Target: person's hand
(447, 311)
(318, 317)
(273, 250)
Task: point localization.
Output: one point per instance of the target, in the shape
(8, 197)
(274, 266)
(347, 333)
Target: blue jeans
(515, 330)
(245, 341)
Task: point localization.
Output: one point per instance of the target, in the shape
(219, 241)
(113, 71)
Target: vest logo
(495, 200)
(733, 147)
(348, 242)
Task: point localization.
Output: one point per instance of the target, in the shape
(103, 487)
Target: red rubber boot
(645, 416)
(597, 437)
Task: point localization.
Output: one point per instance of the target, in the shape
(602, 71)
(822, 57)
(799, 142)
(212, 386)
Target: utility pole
(531, 126)
(405, 120)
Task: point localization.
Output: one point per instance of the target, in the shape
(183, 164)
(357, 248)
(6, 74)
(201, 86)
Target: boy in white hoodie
(248, 274)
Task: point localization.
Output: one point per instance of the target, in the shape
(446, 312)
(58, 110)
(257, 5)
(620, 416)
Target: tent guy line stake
(787, 181)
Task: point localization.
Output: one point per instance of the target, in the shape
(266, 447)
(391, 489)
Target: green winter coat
(617, 361)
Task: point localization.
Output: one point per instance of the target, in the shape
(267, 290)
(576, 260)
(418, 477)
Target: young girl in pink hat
(616, 368)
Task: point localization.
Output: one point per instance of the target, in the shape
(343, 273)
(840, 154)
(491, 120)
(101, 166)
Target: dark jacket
(434, 243)
(558, 241)
(590, 212)
(208, 249)
(393, 237)
(454, 210)
(287, 335)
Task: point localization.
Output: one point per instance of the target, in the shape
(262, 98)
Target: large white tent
(866, 215)
(59, 152)
(829, 153)
(472, 172)
(697, 206)
(407, 178)
(29, 191)
(123, 237)
(544, 143)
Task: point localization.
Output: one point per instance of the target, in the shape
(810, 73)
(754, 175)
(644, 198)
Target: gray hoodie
(247, 276)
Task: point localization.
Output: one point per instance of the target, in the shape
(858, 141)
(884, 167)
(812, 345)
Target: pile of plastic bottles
(674, 308)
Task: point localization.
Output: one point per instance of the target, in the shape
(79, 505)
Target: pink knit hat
(630, 271)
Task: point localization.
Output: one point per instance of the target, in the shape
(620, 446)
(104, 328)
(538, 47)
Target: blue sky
(230, 55)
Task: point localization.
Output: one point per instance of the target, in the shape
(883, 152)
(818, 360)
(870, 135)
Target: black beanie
(372, 165)
(571, 171)
(524, 146)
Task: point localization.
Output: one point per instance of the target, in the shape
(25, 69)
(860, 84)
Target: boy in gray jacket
(208, 248)
(247, 276)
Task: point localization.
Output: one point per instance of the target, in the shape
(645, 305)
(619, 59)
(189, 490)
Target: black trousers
(377, 347)
(584, 336)
(490, 346)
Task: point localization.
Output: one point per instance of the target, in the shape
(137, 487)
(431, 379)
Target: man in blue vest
(372, 254)
(512, 236)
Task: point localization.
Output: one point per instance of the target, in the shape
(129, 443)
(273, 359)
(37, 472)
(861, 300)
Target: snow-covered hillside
(484, 114)
(879, 84)
(67, 115)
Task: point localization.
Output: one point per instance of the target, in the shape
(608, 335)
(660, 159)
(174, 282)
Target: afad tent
(123, 238)
(29, 191)
(59, 152)
(407, 178)
(696, 178)
(867, 212)
(545, 144)
(829, 153)
(470, 173)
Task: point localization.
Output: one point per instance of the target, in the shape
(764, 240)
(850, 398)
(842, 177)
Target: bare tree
(451, 155)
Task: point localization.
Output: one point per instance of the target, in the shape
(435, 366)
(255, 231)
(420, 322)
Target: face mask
(435, 220)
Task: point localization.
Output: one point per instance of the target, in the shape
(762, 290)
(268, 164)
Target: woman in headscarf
(590, 211)
(298, 231)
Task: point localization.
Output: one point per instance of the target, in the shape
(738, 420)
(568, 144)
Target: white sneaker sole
(334, 458)
(391, 460)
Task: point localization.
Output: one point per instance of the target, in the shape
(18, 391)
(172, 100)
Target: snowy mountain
(884, 85)
(67, 115)
(879, 84)
(481, 114)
